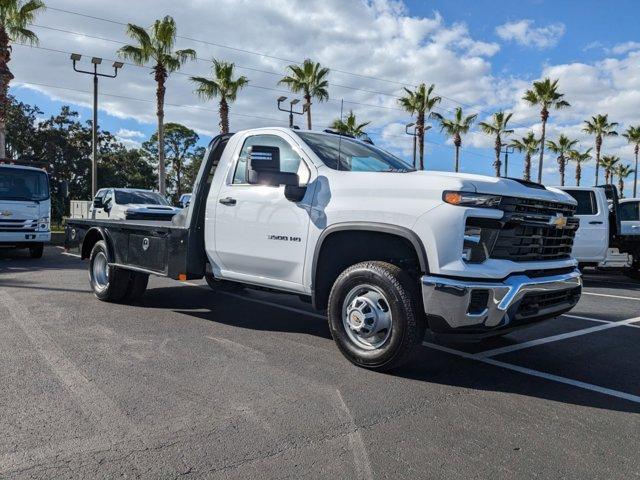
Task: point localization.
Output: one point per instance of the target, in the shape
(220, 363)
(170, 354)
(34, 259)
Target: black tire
(633, 271)
(114, 288)
(221, 285)
(137, 286)
(36, 251)
(408, 324)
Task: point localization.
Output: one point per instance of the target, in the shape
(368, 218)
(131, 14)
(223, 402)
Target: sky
(481, 55)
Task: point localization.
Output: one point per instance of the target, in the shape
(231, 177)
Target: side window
(108, 198)
(101, 194)
(586, 202)
(290, 161)
(629, 211)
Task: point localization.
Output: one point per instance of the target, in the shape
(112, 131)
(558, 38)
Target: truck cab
(25, 208)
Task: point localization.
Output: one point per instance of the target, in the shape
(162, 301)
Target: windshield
(23, 184)
(354, 156)
(146, 198)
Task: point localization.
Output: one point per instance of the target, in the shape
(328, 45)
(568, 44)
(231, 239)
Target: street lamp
(507, 150)
(291, 111)
(75, 57)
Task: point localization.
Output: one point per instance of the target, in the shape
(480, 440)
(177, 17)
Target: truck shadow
(430, 367)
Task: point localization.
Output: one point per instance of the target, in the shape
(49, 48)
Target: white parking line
(554, 338)
(611, 296)
(598, 320)
(536, 373)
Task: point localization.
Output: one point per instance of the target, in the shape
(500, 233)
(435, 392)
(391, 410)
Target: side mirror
(181, 205)
(264, 168)
(97, 203)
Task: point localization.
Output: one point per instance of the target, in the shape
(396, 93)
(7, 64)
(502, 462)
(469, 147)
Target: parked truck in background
(609, 233)
(386, 250)
(25, 208)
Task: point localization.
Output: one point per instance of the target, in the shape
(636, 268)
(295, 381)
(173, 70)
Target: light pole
(415, 135)
(75, 57)
(291, 110)
(507, 150)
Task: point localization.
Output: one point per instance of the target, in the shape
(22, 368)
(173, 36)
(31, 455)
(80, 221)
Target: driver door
(260, 236)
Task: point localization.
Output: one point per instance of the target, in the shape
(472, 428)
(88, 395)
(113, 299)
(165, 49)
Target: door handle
(228, 201)
(595, 223)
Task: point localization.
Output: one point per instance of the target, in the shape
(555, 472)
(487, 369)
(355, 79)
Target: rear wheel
(109, 284)
(634, 270)
(36, 251)
(374, 317)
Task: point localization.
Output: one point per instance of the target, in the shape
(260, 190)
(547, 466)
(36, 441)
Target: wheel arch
(93, 236)
(322, 277)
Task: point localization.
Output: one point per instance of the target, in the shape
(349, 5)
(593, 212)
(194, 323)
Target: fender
(101, 232)
(374, 227)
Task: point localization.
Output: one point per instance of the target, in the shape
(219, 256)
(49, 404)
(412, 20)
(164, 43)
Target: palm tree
(420, 102)
(311, 80)
(545, 94)
(600, 127)
(530, 146)
(633, 136)
(622, 172)
(157, 46)
(609, 163)
(455, 127)
(350, 126)
(579, 158)
(15, 17)
(562, 147)
(498, 128)
(222, 85)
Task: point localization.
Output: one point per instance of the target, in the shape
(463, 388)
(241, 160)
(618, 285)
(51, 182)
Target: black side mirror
(181, 205)
(97, 203)
(264, 168)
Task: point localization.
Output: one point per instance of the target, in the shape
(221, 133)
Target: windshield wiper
(399, 170)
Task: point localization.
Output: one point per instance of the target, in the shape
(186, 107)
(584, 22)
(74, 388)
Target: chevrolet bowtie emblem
(558, 221)
(6, 213)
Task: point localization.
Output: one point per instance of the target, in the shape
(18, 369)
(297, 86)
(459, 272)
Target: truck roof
(22, 167)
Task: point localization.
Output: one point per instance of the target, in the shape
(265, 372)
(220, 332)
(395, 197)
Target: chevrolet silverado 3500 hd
(388, 251)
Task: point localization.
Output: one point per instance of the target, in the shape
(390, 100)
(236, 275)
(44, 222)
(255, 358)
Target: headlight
(43, 224)
(470, 199)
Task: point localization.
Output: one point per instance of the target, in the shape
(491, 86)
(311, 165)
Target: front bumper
(8, 239)
(484, 308)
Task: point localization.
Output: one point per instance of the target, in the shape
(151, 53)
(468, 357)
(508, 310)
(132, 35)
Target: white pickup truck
(609, 233)
(25, 208)
(386, 250)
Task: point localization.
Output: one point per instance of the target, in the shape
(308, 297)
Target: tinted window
(354, 156)
(629, 211)
(23, 184)
(586, 202)
(290, 161)
(146, 198)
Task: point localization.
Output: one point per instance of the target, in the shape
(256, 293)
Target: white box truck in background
(25, 208)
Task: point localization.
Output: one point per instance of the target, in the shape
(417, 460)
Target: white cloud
(131, 134)
(526, 34)
(625, 47)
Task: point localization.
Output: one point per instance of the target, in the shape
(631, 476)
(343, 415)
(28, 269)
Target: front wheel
(373, 315)
(36, 251)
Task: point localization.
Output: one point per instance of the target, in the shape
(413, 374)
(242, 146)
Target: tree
(192, 168)
(350, 126)
(22, 127)
(420, 102)
(222, 86)
(126, 168)
(455, 127)
(310, 79)
(622, 172)
(530, 146)
(545, 94)
(179, 145)
(562, 147)
(609, 163)
(15, 17)
(157, 46)
(579, 159)
(497, 128)
(633, 137)
(600, 127)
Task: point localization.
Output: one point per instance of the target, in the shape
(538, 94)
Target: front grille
(18, 225)
(540, 303)
(527, 235)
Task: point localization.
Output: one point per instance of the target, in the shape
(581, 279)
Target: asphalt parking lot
(194, 384)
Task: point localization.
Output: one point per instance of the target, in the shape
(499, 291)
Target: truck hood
(136, 207)
(22, 210)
